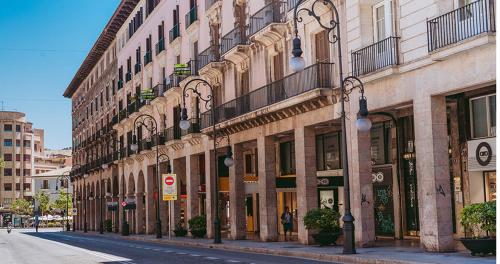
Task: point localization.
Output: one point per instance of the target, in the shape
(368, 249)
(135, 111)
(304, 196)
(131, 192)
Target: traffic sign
(124, 204)
(169, 187)
(74, 211)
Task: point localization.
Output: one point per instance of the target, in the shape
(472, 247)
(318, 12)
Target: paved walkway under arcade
(384, 251)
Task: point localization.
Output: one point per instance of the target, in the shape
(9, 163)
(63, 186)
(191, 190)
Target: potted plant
(179, 230)
(479, 220)
(108, 225)
(198, 226)
(325, 222)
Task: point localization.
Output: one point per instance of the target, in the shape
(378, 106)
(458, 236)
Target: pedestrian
(286, 221)
(36, 223)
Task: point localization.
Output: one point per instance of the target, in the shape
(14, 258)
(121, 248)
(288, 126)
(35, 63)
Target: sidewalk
(375, 255)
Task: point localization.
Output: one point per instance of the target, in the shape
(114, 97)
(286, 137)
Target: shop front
(482, 169)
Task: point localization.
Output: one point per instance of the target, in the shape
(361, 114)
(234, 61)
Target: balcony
(174, 33)
(193, 128)
(171, 134)
(210, 3)
(174, 81)
(315, 76)
(128, 77)
(232, 39)
(460, 24)
(137, 68)
(191, 16)
(148, 57)
(159, 89)
(377, 56)
(274, 12)
(211, 54)
(120, 84)
(160, 46)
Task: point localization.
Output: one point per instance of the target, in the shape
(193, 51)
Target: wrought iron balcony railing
(211, 54)
(160, 46)
(193, 128)
(210, 3)
(375, 56)
(319, 75)
(460, 24)
(128, 76)
(274, 12)
(191, 16)
(137, 68)
(148, 57)
(172, 133)
(174, 33)
(120, 84)
(235, 37)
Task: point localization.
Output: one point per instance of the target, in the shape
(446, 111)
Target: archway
(141, 204)
(131, 195)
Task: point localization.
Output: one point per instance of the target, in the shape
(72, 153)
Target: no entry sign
(169, 187)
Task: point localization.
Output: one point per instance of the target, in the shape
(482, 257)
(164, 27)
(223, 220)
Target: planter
(199, 233)
(482, 246)
(326, 238)
(180, 232)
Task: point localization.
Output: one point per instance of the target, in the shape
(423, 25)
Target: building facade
(429, 78)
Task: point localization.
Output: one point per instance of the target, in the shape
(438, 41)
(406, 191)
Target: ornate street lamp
(165, 157)
(184, 124)
(140, 121)
(347, 85)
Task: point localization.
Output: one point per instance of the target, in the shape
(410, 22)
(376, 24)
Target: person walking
(36, 223)
(286, 221)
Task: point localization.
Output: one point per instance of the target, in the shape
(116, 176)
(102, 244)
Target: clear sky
(42, 45)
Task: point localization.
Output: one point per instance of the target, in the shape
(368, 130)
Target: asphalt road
(24, 246)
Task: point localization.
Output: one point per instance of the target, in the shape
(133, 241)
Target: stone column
(267, 188)
(433, 174)
(139, 222)
(210, 192)
(163, 207)
(151, 183)
(307, 191)
(237, 195)
(192, 183)
(360, 179)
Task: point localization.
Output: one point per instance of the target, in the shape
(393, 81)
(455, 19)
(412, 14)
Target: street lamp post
(153, 129)
(297, 63)
(185, 124)
(169, 170)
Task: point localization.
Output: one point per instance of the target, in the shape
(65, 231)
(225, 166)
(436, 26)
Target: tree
(62, 200)
(22, 207)
(43, 202)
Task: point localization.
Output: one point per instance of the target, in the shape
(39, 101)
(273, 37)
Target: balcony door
(383, 28)
(469, 20)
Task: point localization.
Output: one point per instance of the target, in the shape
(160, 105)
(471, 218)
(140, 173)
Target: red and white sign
(169, 187)
(124, 204)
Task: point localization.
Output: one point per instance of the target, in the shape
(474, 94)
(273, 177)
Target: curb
(276, 252)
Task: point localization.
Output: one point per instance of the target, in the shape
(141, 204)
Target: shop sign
(381, 175)
(481, 154)
(330, 181)
(182, 69)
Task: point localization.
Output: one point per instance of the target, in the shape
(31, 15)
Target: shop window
(381, 143)
(482, 113)
(7, 142)
(223, 170)
(287, 158)
(7, 172)
(328, 152)
(490, 182)
(7, 186)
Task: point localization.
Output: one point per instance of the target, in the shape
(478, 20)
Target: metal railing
(120, 84)
(319, 75)
(211, 54)
(193, 128)
(159, 89)
(172, 133)
(460, 24)
(375, 56)
(274, 12)
(128, 76)
(160, 46)
(291, 4)
(174, 33)
(191, 16)
(235, 37)
(210, 3)
(148, 57)
(137, 68)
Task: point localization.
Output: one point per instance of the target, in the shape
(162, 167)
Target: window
(45, 184)
(27, 143)
(287, 158)
(382, 20)
(381, 143)
(18, 143)
(27, 187)
(27, 172)
(7, 157)
(7, 172)
(7, 142)
(26, 157)
(7, 128)
(250, 164)
(483, 115)
(18, 128)
(18, 157)
(328, 151)
(18, 186)
(7, 186)
(18, 172)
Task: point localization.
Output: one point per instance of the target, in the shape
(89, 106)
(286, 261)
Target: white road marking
(211, 258)
(194, 255)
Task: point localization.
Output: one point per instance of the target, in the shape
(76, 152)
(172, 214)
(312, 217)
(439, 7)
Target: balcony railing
(376, 56)
(160, 46)
(235, 37)
(174, 80)
(193, 128)
(172, 133)
(148, 57)
(460, 24)
(315, 76)
(174, 33)
(120, 84)
(128, 76)
(291, 4)
(159, 89)
(274, 12)
(191, 16)
(210, 3)
(137, 68)
(211, 54)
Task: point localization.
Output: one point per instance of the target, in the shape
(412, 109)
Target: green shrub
(479, 218)
(323, 220)
(198, 223)
(108, 225)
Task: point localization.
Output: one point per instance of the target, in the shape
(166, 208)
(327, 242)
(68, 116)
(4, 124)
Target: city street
(53, 247)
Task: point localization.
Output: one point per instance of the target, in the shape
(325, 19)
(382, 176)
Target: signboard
(169, 187)
(182, 69)
(112, 206)
(147, 94)
(481, 154)
(74, 211)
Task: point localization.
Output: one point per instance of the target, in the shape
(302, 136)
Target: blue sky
(42, 45)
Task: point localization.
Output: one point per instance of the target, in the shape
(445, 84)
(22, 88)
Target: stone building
(429, 74)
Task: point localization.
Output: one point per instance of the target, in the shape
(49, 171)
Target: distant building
(50, 182)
